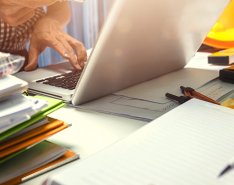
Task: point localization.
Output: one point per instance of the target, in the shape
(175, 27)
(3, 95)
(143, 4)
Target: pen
(229, 167)
(179, 99)
(190, 92)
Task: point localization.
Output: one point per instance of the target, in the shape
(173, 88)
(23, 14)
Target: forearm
(60, 12)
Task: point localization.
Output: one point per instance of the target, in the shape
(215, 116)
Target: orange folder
(32, 137)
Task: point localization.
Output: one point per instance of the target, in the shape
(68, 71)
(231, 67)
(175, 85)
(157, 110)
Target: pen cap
(10, 64)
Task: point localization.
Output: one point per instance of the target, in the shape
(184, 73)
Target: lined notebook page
(189, 145)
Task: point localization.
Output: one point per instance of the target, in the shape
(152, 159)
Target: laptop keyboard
(66, 80)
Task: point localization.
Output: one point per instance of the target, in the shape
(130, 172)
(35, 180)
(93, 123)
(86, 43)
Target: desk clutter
(190, 93)
(224, 58)
(24, 128)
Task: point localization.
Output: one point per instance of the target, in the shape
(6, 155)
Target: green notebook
(4, 159)
(53, 104)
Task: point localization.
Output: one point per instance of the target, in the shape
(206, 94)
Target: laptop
(140, 40)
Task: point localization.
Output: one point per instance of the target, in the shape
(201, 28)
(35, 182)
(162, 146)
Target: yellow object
(222, 33)
(228, 103)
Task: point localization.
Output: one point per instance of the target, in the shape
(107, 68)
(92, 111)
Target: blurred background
(86, 22)
(88, 18)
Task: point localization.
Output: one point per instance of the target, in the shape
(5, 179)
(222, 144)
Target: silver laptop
(139, 41)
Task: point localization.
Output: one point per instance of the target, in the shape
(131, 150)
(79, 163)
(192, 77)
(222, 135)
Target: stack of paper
(17, 109)
(10, 64)
(11, 85)
(24, 127)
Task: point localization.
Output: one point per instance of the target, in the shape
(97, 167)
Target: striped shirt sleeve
(16, 38)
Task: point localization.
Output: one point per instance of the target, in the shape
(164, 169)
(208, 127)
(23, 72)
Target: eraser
(223, 57)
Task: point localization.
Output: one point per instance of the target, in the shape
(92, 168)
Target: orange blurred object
(222, 33)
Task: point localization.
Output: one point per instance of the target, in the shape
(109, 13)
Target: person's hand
(16, 12)
(47, 33)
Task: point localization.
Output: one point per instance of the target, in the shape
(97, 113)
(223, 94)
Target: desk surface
(90, 132)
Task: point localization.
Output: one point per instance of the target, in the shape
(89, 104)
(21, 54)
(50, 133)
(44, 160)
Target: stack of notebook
(24, 128)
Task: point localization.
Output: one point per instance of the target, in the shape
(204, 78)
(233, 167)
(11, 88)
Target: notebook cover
(31, 159)
(30, 141)
(33, 133)
(69, 156)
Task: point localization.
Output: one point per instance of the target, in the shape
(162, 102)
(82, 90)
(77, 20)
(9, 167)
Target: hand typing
(47, 33)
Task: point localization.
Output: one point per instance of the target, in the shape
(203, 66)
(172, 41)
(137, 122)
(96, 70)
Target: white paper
(16, 104)
(154, 90)
(9, 83)
(200, 61)
(190, 145)
(129, 107)
(12, 121)
(17, 109)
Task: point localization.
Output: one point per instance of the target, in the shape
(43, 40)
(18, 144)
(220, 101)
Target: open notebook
(189, 145)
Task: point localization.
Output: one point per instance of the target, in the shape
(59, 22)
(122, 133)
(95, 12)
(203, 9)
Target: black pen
(179, 99)
(228, 168)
